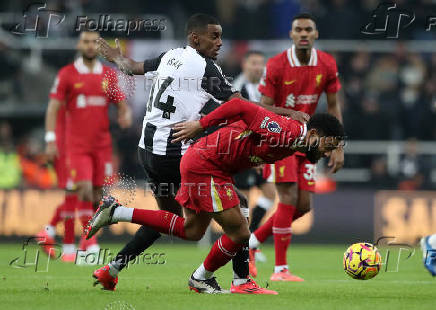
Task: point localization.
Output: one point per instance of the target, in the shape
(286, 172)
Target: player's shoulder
(325, 58)
(67, 69)
(278, 60)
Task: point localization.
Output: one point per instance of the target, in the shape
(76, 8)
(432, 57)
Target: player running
(185, 80)
(253, 135)
(295, 79)
(65, 211)
(80, 89)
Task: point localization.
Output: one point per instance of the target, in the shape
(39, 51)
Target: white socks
(265, 203)
(122, 214)
(69, 248)
(253, 243)
(202, 274)
(50, 230)
(113, 271)
(280, 268)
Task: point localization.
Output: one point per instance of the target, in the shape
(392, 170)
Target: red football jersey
(254, 136)
(298, 87)
(86, 104)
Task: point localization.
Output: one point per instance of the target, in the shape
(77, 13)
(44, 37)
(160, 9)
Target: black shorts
(248, 179)
(162, 172)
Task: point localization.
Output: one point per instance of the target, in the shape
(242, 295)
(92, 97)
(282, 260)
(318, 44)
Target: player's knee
(194, 234)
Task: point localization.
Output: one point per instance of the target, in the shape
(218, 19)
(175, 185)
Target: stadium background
(388, 100)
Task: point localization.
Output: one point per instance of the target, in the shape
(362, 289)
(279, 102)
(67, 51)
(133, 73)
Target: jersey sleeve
(276, 129)
(152, 64)
(60, 85)
(270, 80)
(230, 112)
(215, 83)
(333, 84)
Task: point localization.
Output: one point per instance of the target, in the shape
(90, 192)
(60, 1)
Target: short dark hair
(200, 21)
(304, 16)
(253, 52)
(327, 125)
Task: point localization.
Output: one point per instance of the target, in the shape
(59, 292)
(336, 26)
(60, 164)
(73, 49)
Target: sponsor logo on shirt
(291, 101)
(274, 127)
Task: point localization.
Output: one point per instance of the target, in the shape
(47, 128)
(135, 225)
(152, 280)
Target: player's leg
(240, 260)
(264, 202)
(82, 170)
(69, 248)
(163, 175)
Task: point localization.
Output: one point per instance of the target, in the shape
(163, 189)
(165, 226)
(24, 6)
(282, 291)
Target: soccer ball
(362, 261)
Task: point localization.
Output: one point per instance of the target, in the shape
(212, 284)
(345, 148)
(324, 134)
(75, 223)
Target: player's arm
(124, 114)
(232, 111)
(50, 125)
(126, 64)
(268, 104)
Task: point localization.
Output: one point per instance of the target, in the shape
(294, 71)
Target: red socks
(57, 217)
(223, 250)
(68, 215)
(161, 221)
(264, 231)
(282, 231)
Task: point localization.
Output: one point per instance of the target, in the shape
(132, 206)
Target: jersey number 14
(166, 107)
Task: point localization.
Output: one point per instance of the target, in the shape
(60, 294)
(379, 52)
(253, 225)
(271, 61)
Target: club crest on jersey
(318, 79)
(274, 127)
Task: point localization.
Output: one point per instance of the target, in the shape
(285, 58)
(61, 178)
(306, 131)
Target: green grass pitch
(142, 286)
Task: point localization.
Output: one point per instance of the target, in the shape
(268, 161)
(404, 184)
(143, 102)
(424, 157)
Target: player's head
(324, 134)
(204, 34)
(253, 65)
(303, 31)
(87, 45)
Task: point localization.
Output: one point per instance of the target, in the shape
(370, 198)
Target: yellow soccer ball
(362, 261)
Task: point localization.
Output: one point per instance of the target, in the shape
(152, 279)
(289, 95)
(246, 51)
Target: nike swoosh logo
(290, 82)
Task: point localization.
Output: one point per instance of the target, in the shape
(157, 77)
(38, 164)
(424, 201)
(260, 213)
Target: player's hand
(336, 161)
(51, 151)
(299, 116)
(109, 53)
(125, 119)
(186, 130)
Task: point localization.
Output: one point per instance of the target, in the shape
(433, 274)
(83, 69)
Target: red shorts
(203, 186)
(63, 172)
(295, 168)
(94, 166)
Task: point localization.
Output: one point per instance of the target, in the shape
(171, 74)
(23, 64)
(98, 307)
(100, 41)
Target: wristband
(50, 136)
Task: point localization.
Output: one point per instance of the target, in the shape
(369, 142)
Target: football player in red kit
(295, 79)
(65, 211)
(81, 87)
(253, 136)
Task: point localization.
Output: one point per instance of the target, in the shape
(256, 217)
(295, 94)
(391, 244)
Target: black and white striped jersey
(247, 89)
(183, 82)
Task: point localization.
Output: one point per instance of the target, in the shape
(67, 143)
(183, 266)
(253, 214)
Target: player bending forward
(253, 135)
